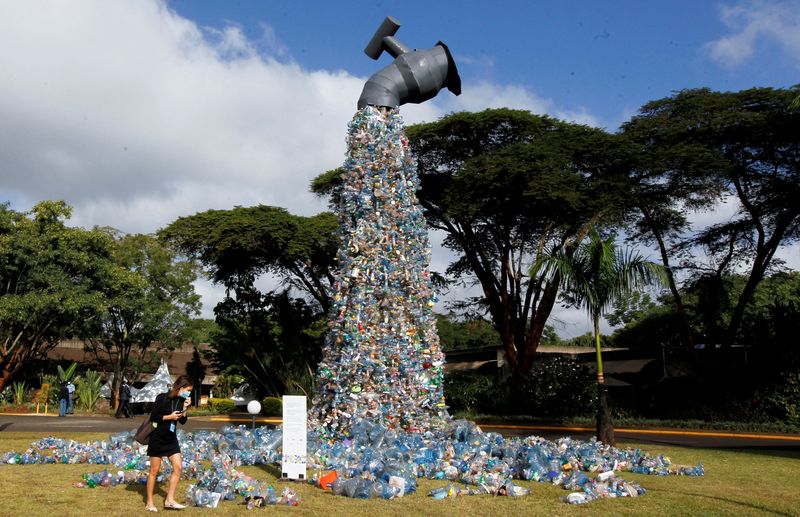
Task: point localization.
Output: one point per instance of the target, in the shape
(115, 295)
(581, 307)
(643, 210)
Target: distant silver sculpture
(414, 76)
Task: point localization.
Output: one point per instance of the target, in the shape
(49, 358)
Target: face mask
(185, 394)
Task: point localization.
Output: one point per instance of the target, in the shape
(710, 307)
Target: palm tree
(593, 276)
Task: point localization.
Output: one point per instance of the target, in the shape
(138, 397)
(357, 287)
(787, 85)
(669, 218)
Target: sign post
(294, 437)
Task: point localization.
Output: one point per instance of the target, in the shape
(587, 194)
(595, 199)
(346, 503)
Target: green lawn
(737, 482)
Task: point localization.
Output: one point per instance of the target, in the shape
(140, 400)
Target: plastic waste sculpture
(414, 76)
(382, 361)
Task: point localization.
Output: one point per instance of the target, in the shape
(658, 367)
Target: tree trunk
(605, 428)
(673, 288)
(760, 264)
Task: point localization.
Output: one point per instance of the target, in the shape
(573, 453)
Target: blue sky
(137, 112)
(602, 57)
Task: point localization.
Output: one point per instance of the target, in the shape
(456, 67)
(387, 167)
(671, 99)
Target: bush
(20, 391)
(42, 395)
(87, 391)
(556, 387)
(222, 405)
(782, 399)
(52, 394)
(469, 391)
(227, 383)
(272, 406)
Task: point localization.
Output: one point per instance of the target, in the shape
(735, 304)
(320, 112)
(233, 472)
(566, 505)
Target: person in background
(71, 400)
(63, 397)
(169, 409)
(124, 399)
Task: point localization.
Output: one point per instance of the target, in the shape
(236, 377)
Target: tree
(502, 185)
(750, 141)
(629, 308)
(273, 338)
(666, 183)
(237, 246)
(594, 275)
(50, 281)
(149, 302)
(456, 334)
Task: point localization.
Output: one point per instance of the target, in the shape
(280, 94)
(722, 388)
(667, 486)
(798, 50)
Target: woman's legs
(155, 466)
(177, 466)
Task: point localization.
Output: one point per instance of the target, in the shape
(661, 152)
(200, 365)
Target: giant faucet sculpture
(382, 363)
(414, 76)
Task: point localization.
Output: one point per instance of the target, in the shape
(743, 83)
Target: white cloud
(136, 116)
(481, 95)
(752, 22)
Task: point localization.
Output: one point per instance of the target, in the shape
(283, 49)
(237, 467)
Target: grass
(737, 482)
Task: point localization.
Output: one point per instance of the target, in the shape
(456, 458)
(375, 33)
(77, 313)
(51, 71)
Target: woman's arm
(159, 410)
(186, 404)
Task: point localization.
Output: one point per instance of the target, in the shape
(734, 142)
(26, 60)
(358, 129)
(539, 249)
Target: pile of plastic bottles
(382, 360)
(231, 447)
(507, 488)
(373, 462)
(223, 481)
(373, 459)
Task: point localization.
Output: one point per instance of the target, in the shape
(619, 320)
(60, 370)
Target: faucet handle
(384, 39)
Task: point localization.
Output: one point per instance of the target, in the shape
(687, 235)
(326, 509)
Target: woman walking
(169, 409)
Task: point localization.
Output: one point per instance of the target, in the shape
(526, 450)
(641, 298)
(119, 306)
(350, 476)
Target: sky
(137, 112)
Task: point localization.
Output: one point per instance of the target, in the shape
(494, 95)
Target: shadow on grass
(742, 504)
(141, 490)
(792, 452)
(272, 470)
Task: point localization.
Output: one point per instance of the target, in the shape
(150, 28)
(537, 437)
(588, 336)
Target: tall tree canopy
(50, 281)
(237, 246)
(504, 184)
(275, 337)
(748, 144)
(148, 301)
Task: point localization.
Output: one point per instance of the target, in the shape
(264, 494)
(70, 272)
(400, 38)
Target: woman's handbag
(143, 433)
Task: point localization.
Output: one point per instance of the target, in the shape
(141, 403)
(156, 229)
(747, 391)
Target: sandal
(173, 506)
(151, 508)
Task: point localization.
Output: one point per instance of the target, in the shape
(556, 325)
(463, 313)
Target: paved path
(54, 424)
(683, 437)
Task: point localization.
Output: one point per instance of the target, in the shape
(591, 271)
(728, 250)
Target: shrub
(222, 405)
(469, 391)
(226, 384)
(556, 387)
(19, 389)
(782, 399)
(52, 395)
(42, 395)
(272, 406)
(87, 391)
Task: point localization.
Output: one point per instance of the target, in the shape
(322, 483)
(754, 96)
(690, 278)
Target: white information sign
(294, 437)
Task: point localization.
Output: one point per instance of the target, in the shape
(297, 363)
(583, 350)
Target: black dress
(163, 440)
